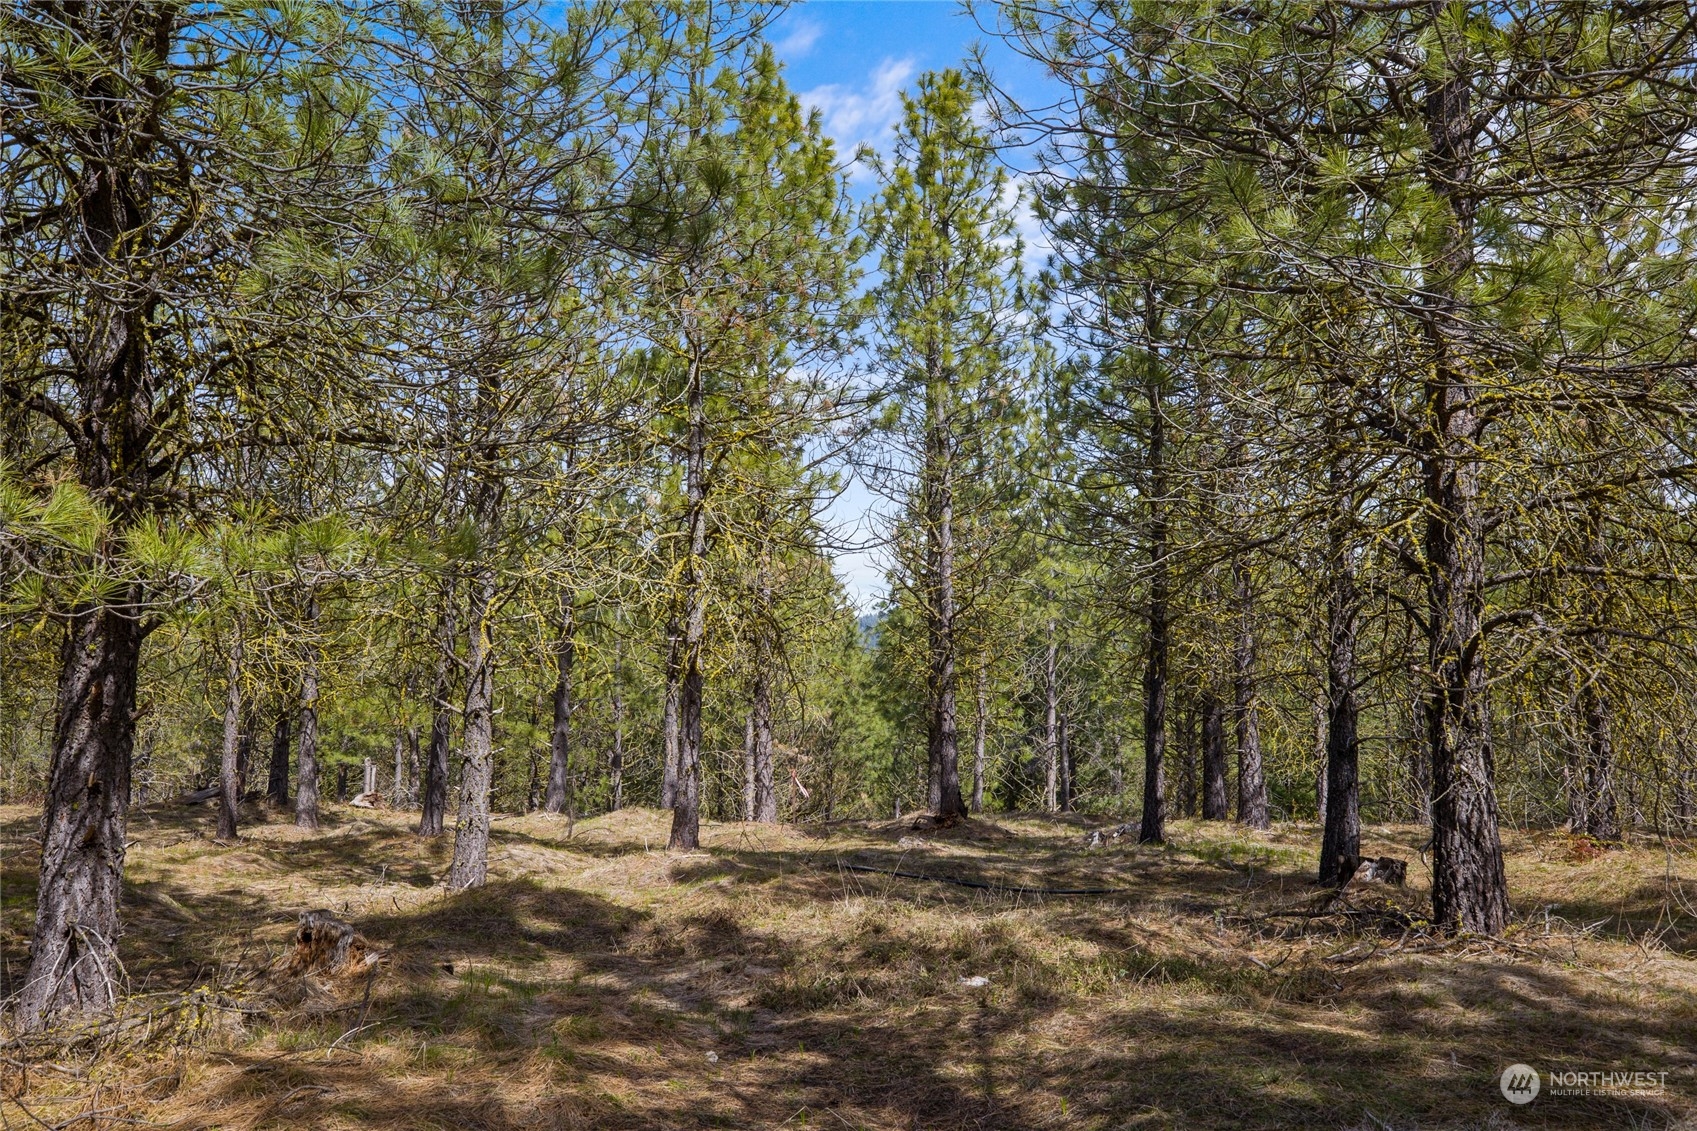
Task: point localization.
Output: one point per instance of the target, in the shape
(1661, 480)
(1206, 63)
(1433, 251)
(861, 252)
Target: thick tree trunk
(980, 732)
(470, 867)
(277, 787)
(669, 744)
(686, 809)
(306, 786)
(1153, 827)
(1469, 886)
(229, 767)
(1342, 833)
(434, 789)
(1252, 808)
(558, 797)
(1051, 725)
(73, 954)
(1216, 803)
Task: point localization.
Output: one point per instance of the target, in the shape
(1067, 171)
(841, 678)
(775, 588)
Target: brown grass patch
(600, 982)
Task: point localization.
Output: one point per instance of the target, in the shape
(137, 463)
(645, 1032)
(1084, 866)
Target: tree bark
(686, 809)
(1469, 886)
(434, 790)
(1342, 833)
(1051, 729)
(73, 957)
(558, 796)
(229, 768)
(1252, 809)
(617, 766)
(306, 788)
(980, 731)
(669, 744)
(748, 784)
(1063, 745)
(764, 807)
(942, 737)
(1216, 805)
(470, 867)
(1153, 827)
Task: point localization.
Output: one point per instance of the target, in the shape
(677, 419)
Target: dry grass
(600, 982)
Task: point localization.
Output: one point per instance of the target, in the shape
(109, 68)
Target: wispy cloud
(800, 40)
(864, 113)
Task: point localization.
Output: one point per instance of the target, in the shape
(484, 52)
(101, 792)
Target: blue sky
(850, 60)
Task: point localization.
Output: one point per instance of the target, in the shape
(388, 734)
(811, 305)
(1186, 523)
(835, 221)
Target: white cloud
(864, 114)
(800, 40)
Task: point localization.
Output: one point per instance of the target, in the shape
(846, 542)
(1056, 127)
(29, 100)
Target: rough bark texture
(306, 786)
(1216, 803)
(1602, 812)
(470, 867)
(1252, 808)
(229, 766)
(434, 791)
(1342, 833)
(669, 744)
(73, 958)
(558, 798)
(1469, 887)
(111, 416)
(748, 766)
(1152, 829)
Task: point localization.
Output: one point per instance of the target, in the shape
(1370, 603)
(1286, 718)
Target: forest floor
(599, 981)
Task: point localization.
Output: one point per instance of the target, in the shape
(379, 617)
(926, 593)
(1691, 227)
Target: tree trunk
(618, 759)
(764, 778)
(306, 788)
(558, 797)
(980, 731)
(1342, 833)
(434, 791)
(942, 738)
(470, 867)
(1216, 805)
(1051, 728)
(1602, 815)
(229, 768)
(686, 810)
(1063, 746)
(1153, 827)
(1469, 887)
(748, 784)
(669, 744)
(73, 957)
(277, 786)
(1252, 809)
